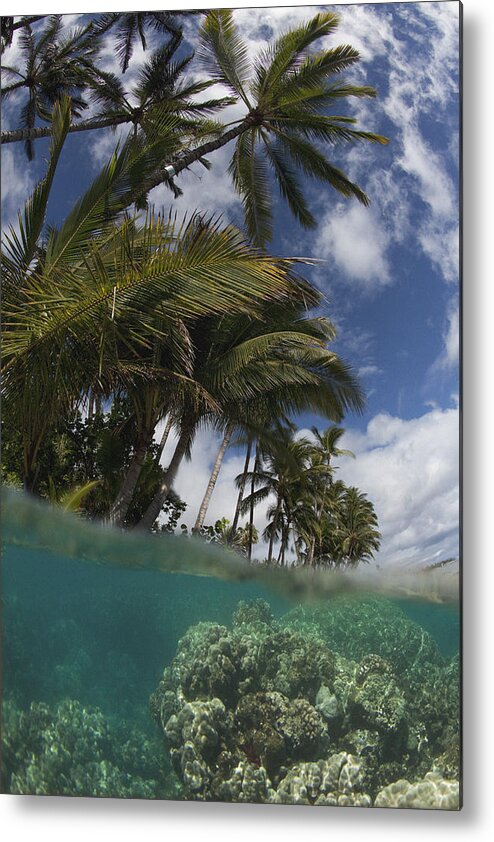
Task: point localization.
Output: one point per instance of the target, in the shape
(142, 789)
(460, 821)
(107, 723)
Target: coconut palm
(241, 364)
(54, 64)
(8, 26)
(159, 91)
(73, 301)
(325, 450)
(283, 325)
(130, 27)
(289, 93)
(284, 474)
(274, 469)
(357, 534)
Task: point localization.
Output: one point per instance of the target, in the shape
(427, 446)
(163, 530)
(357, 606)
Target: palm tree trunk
(242, 489)
(275, 523)
(285, 534)
(310, 551)
(252, 489)
(26, 21)
(164, 439)
(166, 485)
(17, 135)
(121, 505)
(214, 476)
(174, 167)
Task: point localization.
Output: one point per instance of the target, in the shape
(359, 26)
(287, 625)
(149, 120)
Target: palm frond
(223, 53)
(250, 176)
(21, 248)
(286, 176)
(314, 163)
(288, 52)
(332, 129)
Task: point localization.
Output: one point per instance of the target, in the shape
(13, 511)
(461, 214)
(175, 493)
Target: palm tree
(323, 454)
(284, 325)
(8, 26)
(159, 91)
(150, 399)
(131, 26)
(241, 363)
(357, 533)
(289, 94)
(54, 64)
(70, 306)
(241, 483)
(279, 468)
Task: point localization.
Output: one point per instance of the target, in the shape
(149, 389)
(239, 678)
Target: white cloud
(204, 190)
(353, 238)
(449, 357)
(422, 79)
(424, 83)
(368, 370)
(409, 469)
(193, 478)
(17, 182)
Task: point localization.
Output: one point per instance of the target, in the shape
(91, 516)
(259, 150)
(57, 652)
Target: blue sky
(390, 272)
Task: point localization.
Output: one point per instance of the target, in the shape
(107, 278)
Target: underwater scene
(134, 680)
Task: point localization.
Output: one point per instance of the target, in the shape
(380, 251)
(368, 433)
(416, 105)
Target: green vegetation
(117, 320)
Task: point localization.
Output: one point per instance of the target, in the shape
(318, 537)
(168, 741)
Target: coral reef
(268, 711)
(431, 793)
(335, 782)
(73, 750)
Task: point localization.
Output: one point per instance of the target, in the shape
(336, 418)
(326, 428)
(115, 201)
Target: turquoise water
(262, 703)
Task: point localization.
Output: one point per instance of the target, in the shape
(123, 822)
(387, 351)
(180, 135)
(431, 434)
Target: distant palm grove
(125, 319)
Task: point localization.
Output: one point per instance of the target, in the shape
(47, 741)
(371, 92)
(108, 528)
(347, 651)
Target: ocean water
(141, 667)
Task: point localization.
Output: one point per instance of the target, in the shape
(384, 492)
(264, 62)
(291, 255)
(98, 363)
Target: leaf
(71, 500)
(22, 247)
(223, 54)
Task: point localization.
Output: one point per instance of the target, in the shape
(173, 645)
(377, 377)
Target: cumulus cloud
(414, 197)
(449, 357)
(352, 238)
(16, 182)
(409, 469)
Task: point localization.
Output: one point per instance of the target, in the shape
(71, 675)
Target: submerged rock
(267, 711)
(336, 781)
(74, 750)
(431, 793)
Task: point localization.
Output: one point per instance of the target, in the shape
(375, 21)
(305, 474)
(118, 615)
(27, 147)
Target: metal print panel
(231, 396)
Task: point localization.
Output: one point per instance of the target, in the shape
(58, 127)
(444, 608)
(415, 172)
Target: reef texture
(73, 750)
(343, 704)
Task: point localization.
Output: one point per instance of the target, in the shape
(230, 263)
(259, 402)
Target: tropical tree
(8, 25)
(242, 363)
(54, 64)
(324, 451)
(74, 300)
(289, 94)
(281, 475)
(159, 92)
(129, 27)
(357, 535)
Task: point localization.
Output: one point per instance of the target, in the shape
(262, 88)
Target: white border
(54, 819)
